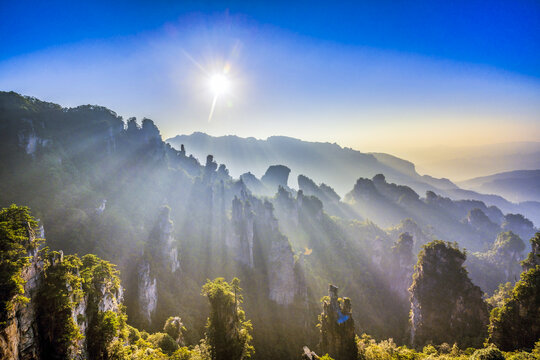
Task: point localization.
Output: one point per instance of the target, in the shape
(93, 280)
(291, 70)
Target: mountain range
(340, 167)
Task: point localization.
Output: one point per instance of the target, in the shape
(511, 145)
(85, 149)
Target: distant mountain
(332, 165)
(521, 185)
(337, 166)
(466, 162)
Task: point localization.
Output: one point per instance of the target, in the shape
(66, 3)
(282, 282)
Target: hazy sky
(375, 76)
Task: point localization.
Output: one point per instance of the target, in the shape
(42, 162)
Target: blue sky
(376, 76)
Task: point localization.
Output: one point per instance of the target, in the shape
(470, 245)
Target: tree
(227, 331)
(516, 324)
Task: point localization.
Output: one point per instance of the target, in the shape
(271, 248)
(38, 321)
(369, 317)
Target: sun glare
(219, 84)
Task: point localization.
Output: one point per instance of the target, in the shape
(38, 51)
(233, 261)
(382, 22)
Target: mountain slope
(520, 185)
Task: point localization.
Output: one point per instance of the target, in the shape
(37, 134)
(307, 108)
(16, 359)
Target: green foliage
(325, 357)
(369, 349)
(489, 353)
(533, 258)
(502, 295)
(227, 331)
(163, 341)
(17, 240)
(514, 324)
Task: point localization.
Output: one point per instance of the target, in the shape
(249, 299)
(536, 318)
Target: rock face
(18, 339)
(337, 328)
(147, 291)
(445, 305)
(161, 251)
(281, 274)
(164, 233)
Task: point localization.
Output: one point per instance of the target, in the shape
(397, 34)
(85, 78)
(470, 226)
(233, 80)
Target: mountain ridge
(334, 165)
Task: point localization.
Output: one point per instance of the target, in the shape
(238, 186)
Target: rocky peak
(254, 184)
(324, 192)
(337, 327)
(365, 189)
(275, 176)
(519, 225)
(506, 253)
(445, 305)
(150, 131)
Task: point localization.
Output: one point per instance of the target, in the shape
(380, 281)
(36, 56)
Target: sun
(219, 84)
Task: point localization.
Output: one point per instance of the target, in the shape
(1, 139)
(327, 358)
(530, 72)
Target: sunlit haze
(371, 89)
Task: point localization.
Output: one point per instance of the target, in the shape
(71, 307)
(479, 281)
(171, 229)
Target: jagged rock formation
(337, 327)
(147, 291)
(445, 305)
(282, 281)
(227, 331)
(163, 244)
(254, 223)
(161, 252)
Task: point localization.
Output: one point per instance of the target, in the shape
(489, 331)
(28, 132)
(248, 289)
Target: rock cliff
(65, 299)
